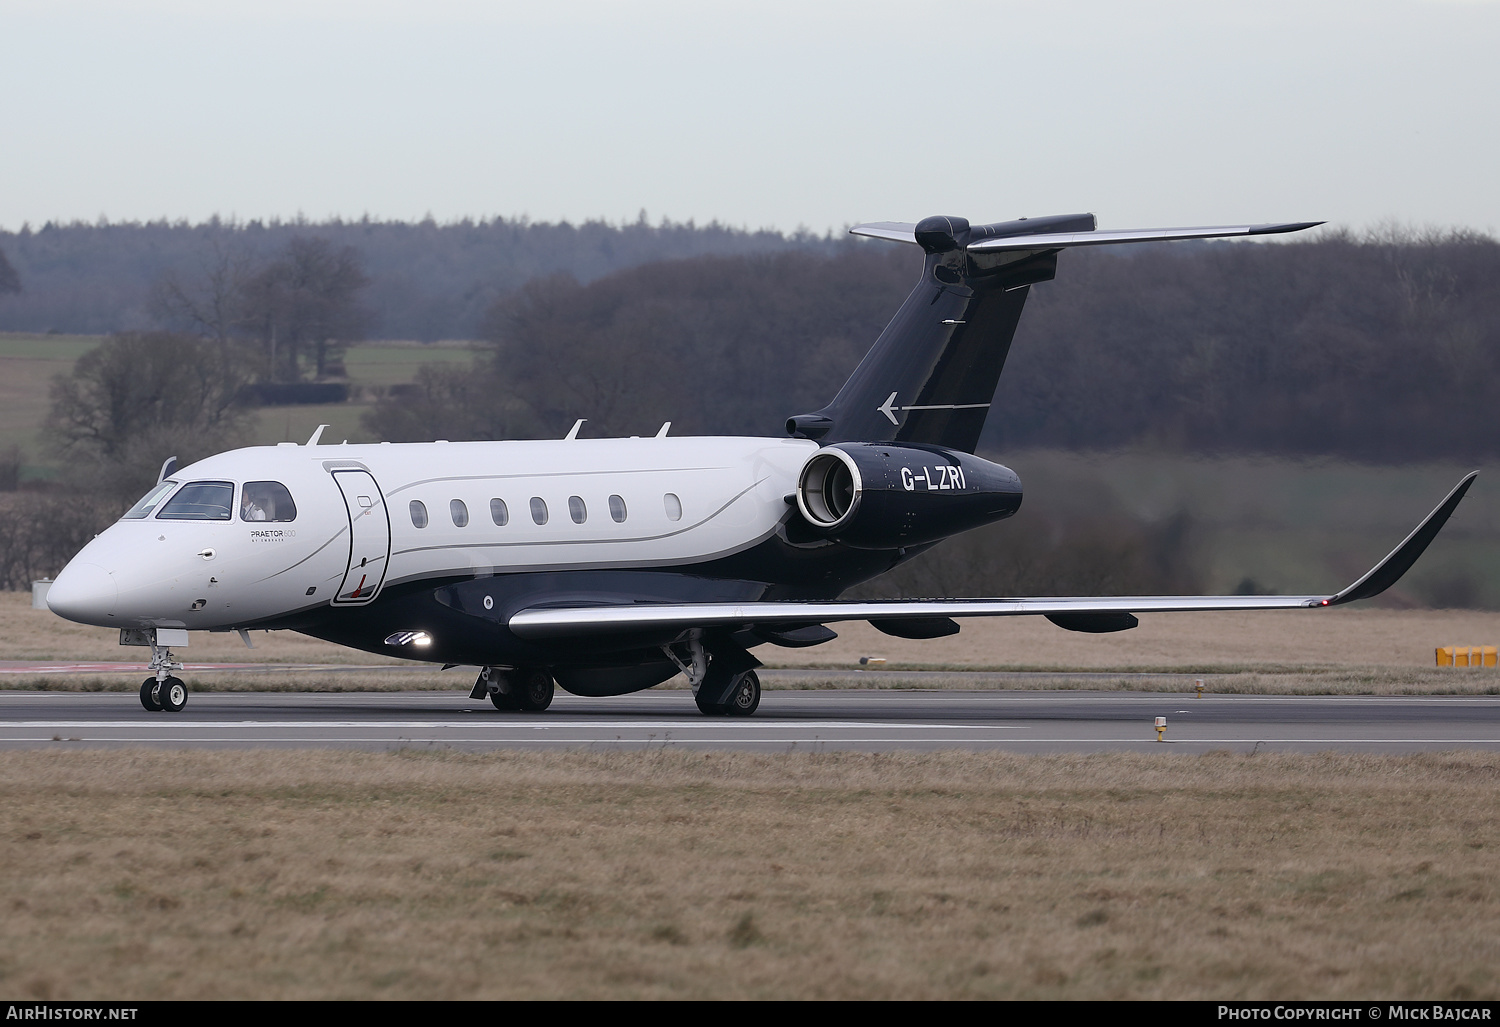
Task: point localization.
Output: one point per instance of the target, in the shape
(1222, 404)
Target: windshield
(200, 501)
(149, 500)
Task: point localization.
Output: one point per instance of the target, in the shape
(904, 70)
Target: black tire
(172, 695)
(505, 701)
(705, 707)
(148, 696)
(745, 699)
(535, 691)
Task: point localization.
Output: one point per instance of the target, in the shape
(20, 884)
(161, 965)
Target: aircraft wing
(541, 622)
(899, 231)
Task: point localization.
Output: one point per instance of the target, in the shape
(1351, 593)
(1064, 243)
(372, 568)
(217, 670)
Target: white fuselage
(638, 502)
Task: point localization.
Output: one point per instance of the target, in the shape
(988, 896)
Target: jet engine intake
(872, 495)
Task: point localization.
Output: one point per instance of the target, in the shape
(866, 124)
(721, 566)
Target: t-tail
(931, 376)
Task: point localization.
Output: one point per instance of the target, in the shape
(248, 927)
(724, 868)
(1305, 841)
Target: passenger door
(369, 538)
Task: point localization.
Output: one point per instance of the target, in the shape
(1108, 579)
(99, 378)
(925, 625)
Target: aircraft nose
(83, 592)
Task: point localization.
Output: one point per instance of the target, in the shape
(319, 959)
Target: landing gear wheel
(745, 698)
(504, 701)
(148, 695)
(535, 690)
(172, 695)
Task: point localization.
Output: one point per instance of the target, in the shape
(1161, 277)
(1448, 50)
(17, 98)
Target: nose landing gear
(169, 694)
(165, 691)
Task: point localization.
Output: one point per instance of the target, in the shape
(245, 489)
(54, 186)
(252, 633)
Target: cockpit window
(149, 500)
(200, 501)
(267, 501)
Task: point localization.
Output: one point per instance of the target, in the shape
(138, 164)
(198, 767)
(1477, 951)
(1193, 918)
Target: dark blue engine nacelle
(875, 495)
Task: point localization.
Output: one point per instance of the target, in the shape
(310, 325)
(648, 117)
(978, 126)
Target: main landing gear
(724, 681)
(744, 697)
(165, 691)
(521, 688)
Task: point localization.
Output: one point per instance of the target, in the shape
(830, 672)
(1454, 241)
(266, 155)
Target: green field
(28, 363)
(1296, 526)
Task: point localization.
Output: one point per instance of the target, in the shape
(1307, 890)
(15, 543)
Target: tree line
(1382, 348)
(427, 281)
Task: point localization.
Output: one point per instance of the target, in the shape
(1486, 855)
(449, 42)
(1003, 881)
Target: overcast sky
(762, 114)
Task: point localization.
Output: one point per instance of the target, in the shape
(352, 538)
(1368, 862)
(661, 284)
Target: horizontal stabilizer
(900, 231)
(895, 231)
(1066, 239)
(559, 622)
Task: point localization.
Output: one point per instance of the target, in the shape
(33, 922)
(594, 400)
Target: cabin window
(200, 501)
(149, 500)
(418, 514)
(617, 509)
(538, 510)
(498, 513)
(577, 510)
(458, 512)
(266, 501)
(674, 507)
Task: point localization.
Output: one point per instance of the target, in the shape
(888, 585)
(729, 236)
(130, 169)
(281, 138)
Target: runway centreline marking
(1248, 740)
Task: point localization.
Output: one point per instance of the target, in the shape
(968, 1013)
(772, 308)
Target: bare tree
(216, 302)
(308, 297)
(9, 280)
(142, 397)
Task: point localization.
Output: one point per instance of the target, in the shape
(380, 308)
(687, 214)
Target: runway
(788, 721)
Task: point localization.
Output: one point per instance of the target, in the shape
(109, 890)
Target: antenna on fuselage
(664, 426)
(313, 441)
(573, 431)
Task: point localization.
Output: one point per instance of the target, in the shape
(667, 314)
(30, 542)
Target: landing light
(409, 638)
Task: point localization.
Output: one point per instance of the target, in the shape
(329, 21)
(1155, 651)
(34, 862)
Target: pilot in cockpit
(253, 506)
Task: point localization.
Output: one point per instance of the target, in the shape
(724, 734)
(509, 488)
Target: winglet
(316, 435)
(573, 431)
(1388, 571)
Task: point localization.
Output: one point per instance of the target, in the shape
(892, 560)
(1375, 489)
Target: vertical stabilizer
(931, 375)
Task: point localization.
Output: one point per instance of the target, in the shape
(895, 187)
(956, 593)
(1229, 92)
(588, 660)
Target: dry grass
(140, 875)
(1268, 640)
(28, 634)
(318, 680)
(1217, 681)
(1172, 641)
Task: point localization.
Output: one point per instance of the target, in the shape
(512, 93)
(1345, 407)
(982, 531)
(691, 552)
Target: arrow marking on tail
(889, 408)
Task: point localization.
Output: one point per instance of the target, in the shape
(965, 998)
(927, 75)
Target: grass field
(149, 875)
(28, 364)
(1296, 526)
